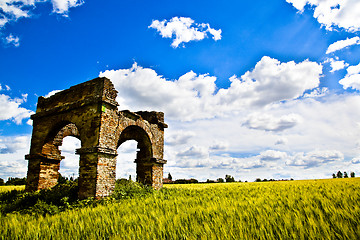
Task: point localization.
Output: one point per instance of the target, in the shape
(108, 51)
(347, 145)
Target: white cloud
(272, 155)
(184, 30)
(62, 6)
(333, 13)
(281, 140)
(194, 96)
(343, 44)
(12, 152)
(215, 143)
(315, 158)
(317, 92)
(197, 152)
(14, 144)
(219, 146)
(13, 40)
(268, 122)
(143, 89)
(271, 81)
(336, 64)
(52, 93)
(352, 78)
(10, 109)
(179, 138)
(12, 10)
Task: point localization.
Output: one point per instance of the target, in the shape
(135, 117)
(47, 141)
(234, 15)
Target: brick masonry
(88, 111)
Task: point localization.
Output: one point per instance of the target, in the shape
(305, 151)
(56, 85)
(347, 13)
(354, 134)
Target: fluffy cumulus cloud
(333, 13)
(184, 29)
(352, 78)
(336, 64)
(315, 158)
(341, 44)
(270, 123)
(274, 121)
(10, 109)
(194, 96)
(272, 81)
(143, 89)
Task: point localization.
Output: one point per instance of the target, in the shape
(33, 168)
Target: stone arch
(46, 163)
(144, 153)
(142, 138)
(56, 136)
(89, 112)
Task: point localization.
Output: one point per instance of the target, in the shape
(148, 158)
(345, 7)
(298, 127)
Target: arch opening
(69, 166)
(51, 158)
(143, 152)
(125, 167)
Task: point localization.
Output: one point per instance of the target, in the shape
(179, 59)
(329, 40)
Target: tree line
(339, 174)
(13, 181)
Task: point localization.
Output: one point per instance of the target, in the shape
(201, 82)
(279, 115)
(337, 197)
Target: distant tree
(16, 181)
(2, 182)
(265, 180)
(220, 180)
(229, 178)
(345, 175)
(339, 174)
(258, 180)
(352, 174)
(210, 181)
(169, 176)
(183, 181)
(334, 176)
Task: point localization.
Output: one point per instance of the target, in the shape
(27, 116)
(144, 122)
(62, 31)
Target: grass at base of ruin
(311, 209)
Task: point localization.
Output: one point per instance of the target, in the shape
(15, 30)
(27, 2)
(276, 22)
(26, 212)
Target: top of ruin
(98, 89)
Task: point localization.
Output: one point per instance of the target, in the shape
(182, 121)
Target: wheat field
(308, 209)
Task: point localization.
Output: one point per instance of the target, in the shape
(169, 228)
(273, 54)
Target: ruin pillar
(97, 172)
(43, 172)
(150, 172)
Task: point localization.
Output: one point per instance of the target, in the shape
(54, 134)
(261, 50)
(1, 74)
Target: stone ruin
(88, 111)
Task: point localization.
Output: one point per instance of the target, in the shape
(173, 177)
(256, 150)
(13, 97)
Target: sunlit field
(311, 209)
(9, 188)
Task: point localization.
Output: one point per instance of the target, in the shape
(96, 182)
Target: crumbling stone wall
(88, 111)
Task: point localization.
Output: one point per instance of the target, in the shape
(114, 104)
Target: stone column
(150, 173)
(97, 172)
(43, 171)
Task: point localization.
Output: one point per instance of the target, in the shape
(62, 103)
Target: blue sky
(265, 89)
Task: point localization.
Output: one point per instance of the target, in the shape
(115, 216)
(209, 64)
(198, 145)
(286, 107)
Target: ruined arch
(88, 111)
(55, 137)
(144, 156)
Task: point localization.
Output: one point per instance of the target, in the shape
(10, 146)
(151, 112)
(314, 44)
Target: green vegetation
(13, 181)
(313, 209)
